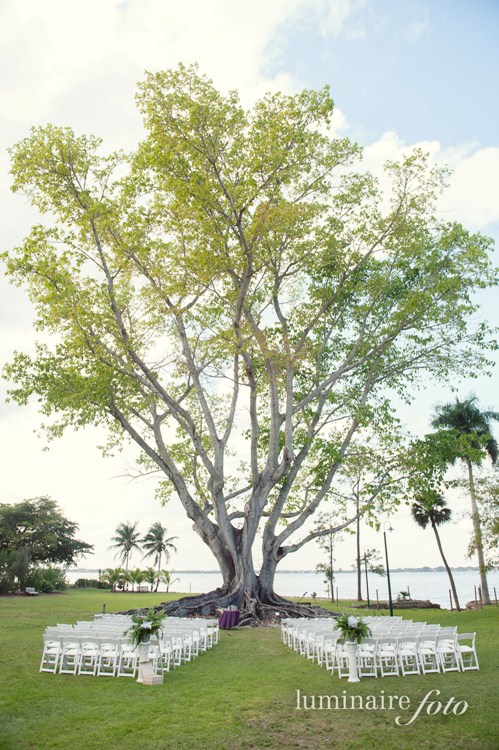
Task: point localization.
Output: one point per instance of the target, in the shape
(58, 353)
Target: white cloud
(335, 18)
(472, 196)
(418, 26)
(67, 57)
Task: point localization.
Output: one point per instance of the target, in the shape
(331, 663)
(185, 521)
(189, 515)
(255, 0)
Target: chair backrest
(89, 642)
(447, 631)
(466, 637)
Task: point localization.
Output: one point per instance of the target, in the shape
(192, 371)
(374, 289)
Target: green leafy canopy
(234, 293)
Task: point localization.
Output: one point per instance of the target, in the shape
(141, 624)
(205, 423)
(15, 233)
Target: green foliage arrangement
(352, 628)
(146, 625)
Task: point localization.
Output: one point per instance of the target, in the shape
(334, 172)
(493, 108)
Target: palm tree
(473, 429)
(151, 577)
(432, 509)
(126, 540)
(115, 577)
(135, 577)
(156, 544)
(165, 576)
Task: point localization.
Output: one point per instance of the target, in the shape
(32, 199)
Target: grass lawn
(241, 695)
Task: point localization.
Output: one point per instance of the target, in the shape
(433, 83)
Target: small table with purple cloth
(229, 619)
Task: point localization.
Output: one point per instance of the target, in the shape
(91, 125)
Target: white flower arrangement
(146, 625)
(352, 628)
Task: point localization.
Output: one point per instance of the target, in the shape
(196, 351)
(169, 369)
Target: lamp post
(388, 568)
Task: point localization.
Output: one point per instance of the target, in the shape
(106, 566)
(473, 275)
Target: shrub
(94, 583)
(7, 574)
(47, 579)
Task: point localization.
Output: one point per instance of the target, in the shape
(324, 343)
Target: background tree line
(155, 544)
(37, 544)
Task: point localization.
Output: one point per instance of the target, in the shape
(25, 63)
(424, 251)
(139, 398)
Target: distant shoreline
(425, 569)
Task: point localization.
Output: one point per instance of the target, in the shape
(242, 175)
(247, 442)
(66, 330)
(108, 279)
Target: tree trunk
(331, 564)
(475, 516)
(252, 594)
(158, 573)
(449, 572)
(359, 567)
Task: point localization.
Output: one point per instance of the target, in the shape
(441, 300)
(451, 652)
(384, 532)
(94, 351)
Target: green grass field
(241, 695)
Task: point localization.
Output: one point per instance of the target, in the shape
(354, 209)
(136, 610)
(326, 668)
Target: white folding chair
(387, 657)
(89, 655)
(408, 654)
(51, 653)
(367, 658)
(128, 659)
(329, 652)
(342, 659)
(428, 654)
(70, 654)
(178, 649)
(166, 654)
(109, 650)
(447, 652)
(467, 651)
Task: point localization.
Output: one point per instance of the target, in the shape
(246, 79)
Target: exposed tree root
(254, 612)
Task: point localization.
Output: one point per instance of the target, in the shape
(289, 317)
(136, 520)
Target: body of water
(430, 585)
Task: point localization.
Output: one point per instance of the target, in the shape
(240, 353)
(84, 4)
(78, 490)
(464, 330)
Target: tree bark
(331, 564)
(449, 572)
(359, 567)
(475, 517)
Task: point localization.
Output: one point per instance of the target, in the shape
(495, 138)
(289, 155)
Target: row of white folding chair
(89, 626)
(405, 655)
(213, 628)
(109, 656)
(307, 637)
(175, 648)
(290, 625)
(85, 631)
(185, 643)
(381, 656)
(303, 637)
(303, 629)
(301, 632)
(182, 640)
(455, 651)
(82, 654)
(311, 640)
(195, 637)
(205, 633)
(112, 617)
(200, 633)
(210, 627)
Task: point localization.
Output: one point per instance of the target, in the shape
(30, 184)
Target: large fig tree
(240, 302)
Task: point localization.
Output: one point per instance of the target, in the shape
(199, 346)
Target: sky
(402, 73)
